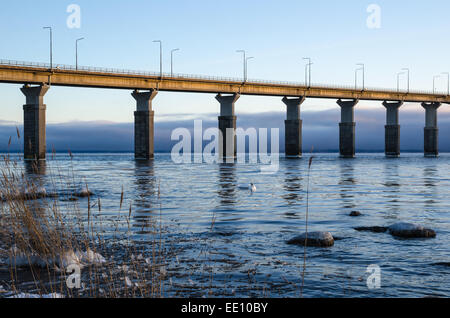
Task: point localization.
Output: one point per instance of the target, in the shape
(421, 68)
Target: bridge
(37, 78)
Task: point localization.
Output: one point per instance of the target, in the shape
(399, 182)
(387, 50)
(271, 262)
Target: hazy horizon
(320, 131)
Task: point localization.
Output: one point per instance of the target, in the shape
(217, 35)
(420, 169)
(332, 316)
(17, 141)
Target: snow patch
(19, 259)
(27, 295)
(93, 258)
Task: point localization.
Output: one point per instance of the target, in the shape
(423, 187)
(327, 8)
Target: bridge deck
(117, 79)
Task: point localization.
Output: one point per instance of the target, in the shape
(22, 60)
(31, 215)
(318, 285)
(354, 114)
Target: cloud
(320, 130)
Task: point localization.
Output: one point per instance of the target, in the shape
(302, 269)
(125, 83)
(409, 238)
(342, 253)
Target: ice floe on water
(35, 193)
(17, 258)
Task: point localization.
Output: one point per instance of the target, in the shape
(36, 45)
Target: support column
(227, 126)
(293, 127)
(431, 131)
(34, 122)
(144, 125)
(392, 129)
(347, 128)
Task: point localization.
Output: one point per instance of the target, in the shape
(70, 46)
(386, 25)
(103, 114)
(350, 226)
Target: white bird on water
(252, 187)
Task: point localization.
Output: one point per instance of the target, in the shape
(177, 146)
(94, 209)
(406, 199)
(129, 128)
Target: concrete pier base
(293, 127)
(431, 142)
(392, 129)
(34, 122)
(347, 140)
(431, 130)
(392, 141)
(144, 125)
(347, 128)
(227, 126)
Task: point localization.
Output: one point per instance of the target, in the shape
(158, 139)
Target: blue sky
(277, 33)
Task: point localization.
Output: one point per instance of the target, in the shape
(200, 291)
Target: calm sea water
(233, 242)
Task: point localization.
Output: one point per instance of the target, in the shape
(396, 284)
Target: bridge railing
(66, 67)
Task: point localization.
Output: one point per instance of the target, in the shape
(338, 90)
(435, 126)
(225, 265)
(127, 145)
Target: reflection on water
(35, 177)
(429, 176)
(430, 181)
(392, 187)
(293, 187)
(35, 167)
(347, 184)
(391, 174)
(227, 184)
(144, 205)
(35, 172)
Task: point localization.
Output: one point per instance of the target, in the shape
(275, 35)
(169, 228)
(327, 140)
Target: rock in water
(83, 193)
(355, 213)
(375, 229)
(447, 264)
(314, 239)
(408, 230)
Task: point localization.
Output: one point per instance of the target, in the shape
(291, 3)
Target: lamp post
(363, 69)
(51, 45)
(171, 61)
(308, 71)
(160, 57)
(244, 63)
(434, 83)
(448, 82)
(407, 70)
(76, 52)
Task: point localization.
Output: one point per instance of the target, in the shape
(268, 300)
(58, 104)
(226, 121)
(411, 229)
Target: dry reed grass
(40, 239)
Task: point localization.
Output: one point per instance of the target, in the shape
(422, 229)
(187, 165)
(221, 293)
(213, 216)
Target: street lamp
(308, 71)
(245, 62)
(434, 83)
(398, 81)
(448, 82)
(76, 52)
(171, 61)
(407, 70)
(160, 57)
(51, 46)
(362, 68)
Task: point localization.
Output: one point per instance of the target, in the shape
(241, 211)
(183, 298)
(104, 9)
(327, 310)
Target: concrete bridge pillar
(227, 125)
(431, 131)
(144, 125)
(392, 129)
(293, 127)
(347, 128)
(34, 122)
